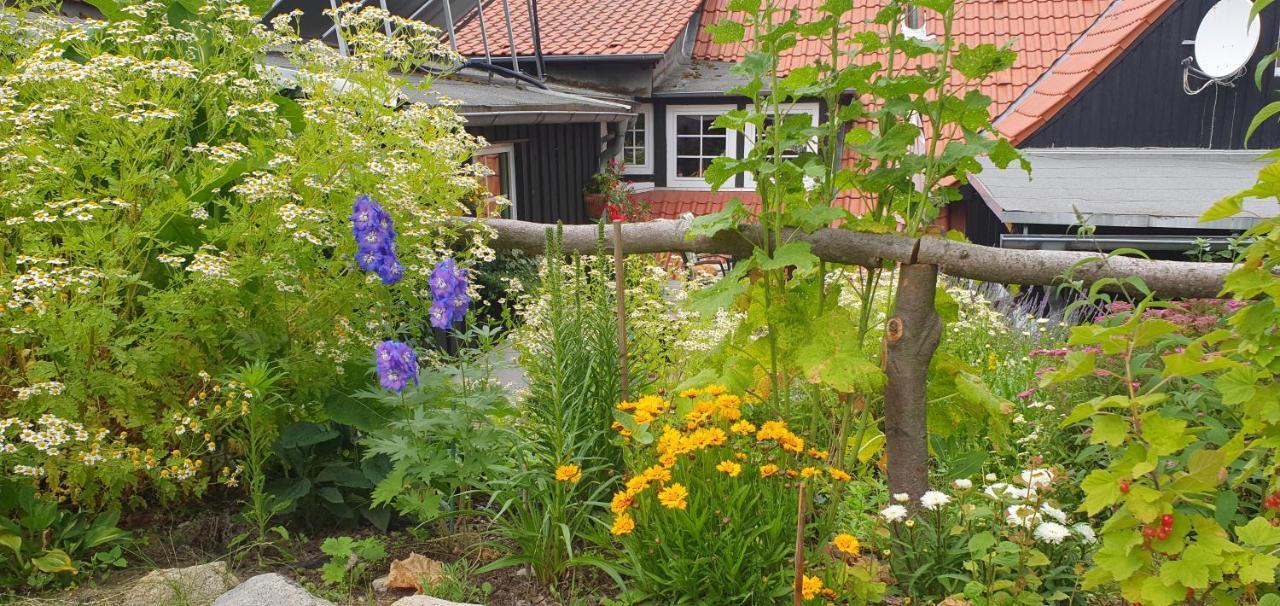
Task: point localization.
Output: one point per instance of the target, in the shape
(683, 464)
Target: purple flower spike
(450, 301)
(375, 240)
(397, 364)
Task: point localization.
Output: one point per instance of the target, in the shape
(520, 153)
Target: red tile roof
(1040, 31)
(582, 27)
(1097, 49)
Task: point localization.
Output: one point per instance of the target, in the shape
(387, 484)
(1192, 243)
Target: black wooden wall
(1138, 101)
(553, 164)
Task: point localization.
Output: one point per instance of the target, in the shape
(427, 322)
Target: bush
(173, 213)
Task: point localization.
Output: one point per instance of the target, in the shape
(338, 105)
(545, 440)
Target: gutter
(541, 117)
(1110, 243)
(588, 58)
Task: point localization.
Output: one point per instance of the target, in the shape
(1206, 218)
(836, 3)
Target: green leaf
(796, 253)
(724, 219)
(54, 561)
(980, 543)
(726, 31)
(1102, 490)
(1192, 569)
(291, 111)
(1258, 533)
(1264, 114)
(12, 541)
(1229, 206)
(1109, 429)
(1260, 568)
(1238, 385)
(338, 547)
(1165, 435)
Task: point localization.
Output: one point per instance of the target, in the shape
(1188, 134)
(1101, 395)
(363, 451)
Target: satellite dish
(1226, 39)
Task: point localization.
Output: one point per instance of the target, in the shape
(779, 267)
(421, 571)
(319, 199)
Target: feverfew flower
(1052, 533)
(894, 513)
(934, 500)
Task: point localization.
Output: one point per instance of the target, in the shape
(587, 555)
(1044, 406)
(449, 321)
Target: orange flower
(839, 474)
(657, 473)
(810, 587)
(623, 523)
(673, 496)
(729, 467)
(568, 473)
(621, 501)
(809, 472)
(818, 454)
(847, 543)
(768, 470)
(637, 485)
(743, 427)
(741, 456)
(714, 390)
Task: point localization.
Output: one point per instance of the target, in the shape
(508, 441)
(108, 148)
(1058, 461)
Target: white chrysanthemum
(1052, 533)
(901, 497)
(894, 513)
(1054, 512)
(1036, 479)
(1021, 515)
(1087, 535)
(1001, 491)
(962, 484)
(933, 500)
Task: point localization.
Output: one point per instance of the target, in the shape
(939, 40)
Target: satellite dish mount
(1225, 41)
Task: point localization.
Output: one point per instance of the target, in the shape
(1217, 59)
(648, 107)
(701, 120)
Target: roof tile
(581, 27)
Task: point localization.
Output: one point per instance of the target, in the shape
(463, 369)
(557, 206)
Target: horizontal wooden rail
(1171, 279)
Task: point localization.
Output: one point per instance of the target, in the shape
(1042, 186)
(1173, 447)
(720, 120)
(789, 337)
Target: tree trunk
(911, 336)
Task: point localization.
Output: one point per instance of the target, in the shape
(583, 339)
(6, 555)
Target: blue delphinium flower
(397, 364)
(449, 299)
(375, 240)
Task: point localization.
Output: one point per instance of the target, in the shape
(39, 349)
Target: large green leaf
(54, 561)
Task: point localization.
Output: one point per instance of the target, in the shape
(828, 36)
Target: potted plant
(609, 195)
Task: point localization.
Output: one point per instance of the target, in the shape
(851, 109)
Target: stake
(799, 583)
(620, 285)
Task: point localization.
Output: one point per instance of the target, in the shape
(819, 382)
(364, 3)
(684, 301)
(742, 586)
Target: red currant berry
(1124, 486)
(1166, 520)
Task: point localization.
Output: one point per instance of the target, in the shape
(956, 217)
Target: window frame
(497, 149)
(732, 137)
(645, 110)
(749, 138)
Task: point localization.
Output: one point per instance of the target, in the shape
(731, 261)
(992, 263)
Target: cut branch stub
(907, 357)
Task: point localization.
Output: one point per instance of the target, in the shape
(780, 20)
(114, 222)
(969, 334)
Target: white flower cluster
(221, 154)
(26, 288)
(209, 263)
(316, 230)
(48, 435)
(51, 388)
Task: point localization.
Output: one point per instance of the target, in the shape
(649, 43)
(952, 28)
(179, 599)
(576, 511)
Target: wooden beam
(1171, 279)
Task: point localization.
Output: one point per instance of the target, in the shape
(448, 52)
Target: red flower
(615, 213)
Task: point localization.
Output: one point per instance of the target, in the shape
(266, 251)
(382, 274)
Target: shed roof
(1156, 188)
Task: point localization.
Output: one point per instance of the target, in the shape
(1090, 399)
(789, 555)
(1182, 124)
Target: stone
(380, 584)
(269, 590)
(426, 600)
(191, 586)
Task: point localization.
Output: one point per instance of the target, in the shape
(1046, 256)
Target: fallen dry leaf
(410, 572)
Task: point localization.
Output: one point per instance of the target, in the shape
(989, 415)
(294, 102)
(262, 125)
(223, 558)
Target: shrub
(172, 210)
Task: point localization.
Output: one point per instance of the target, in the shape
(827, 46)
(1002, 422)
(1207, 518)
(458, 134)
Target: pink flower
(1027, 394)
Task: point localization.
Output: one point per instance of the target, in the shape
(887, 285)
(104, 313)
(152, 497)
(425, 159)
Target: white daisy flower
(1052, 533)
(894, 513)
(934, 500)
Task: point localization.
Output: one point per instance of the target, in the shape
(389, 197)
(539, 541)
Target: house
(1095, 99)
(1124, 132)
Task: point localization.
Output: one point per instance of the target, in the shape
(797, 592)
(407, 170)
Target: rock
(192, 586)
(426, 600)
(380, 584)
(269, 590)
(411, 572)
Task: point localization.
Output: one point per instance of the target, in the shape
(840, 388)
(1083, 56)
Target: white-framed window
(693, 142)
(750, 136)
(500, 160)
(636, 155)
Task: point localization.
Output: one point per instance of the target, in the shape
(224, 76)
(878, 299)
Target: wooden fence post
(912, 335)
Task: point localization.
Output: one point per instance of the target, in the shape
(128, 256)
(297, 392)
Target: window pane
(688, 125)
(688, 146)
(713, 146)
(688, 167)
(637, 156)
